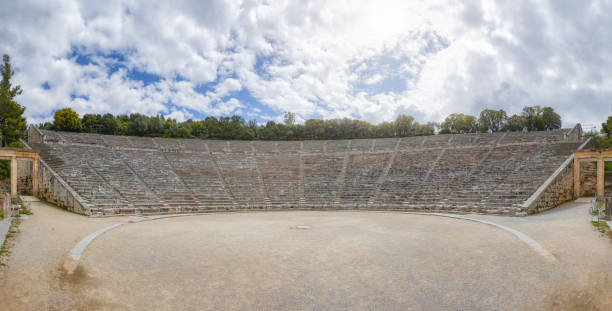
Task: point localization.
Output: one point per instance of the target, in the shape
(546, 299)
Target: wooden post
(600, 177)
(13, 176)
(35, 176)
(577, 190)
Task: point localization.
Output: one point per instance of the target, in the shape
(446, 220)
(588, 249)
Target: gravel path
(32, 278)
(342, 261)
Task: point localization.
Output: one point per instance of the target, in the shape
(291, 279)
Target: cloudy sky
(369, 60)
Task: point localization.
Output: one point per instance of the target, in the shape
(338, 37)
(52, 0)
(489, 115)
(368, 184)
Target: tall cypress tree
(12, 122)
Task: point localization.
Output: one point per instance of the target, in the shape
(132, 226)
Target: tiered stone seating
(321, 174)
(412, 143)
(71, 162)
(486, 139)
(194, 145)
(242, 179)
(264, 147)
(463, 140)
(438, 141)
(406, 176)
(447, 180)
(362, 173)
(384, 144)
(472, 172)
(155, 171)
(502, 178)
(121, 178)
(199, 173)
(52, 136)
(82, 138)
(314, 146)
(334, 146)
(218, 146)
(143, 142)
(288, 147)
(168, 144)
(239, 146)
(117, 141)
(281, 178)
(516, 137)
(361, 145)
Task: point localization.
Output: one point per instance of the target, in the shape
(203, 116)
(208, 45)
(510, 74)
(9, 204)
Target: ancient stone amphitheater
(511, 173)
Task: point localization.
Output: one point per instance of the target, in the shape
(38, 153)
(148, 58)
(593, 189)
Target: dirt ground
(344, 260)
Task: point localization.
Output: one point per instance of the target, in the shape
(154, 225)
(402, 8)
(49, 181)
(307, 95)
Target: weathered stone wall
(575, 134)
(558, 192)
(588, 178)
(5, 186)
(54, 190)
(35, 135)
(24, 176)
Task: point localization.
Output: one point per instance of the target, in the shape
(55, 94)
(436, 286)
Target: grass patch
(10, 236)
(603, 228)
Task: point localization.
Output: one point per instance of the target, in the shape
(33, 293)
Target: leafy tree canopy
(457, 123)
(493, 120)
(67, 120)
(236, 127)
(606, 127)
(12, 122)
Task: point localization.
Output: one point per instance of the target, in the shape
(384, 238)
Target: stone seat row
(293, 147)
(149, 181)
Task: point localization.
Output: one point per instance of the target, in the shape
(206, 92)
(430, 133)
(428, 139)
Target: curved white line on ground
(79, 248)
(523, 237)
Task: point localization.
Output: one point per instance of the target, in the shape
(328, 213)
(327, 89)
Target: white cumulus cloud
(363, 59)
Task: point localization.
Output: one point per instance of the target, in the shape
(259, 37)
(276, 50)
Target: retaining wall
(557, 189)
(35, 135)
(588, 178)
(54, 190)
(24, 178)
(560, 190)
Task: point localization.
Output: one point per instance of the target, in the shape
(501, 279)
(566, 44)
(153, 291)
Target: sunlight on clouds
(330, 59)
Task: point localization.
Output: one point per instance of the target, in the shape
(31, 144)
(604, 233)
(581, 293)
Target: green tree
(66, 120)
(46, 126)
(515, 123)
(494, 120)
(550, 119)
(606, 127)
(91, 123)
(541, 118)
(289, 118)
(12, 122)
(122, 122)
(110, 125)
(404, 125)
(425, 129)
(457, 123)
(211, 124)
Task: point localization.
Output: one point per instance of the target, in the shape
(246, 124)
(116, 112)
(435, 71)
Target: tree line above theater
(533, 118)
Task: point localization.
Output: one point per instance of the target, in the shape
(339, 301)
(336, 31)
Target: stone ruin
(494, 173)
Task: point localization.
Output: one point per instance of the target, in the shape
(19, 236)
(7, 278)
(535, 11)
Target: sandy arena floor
(343, 261)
